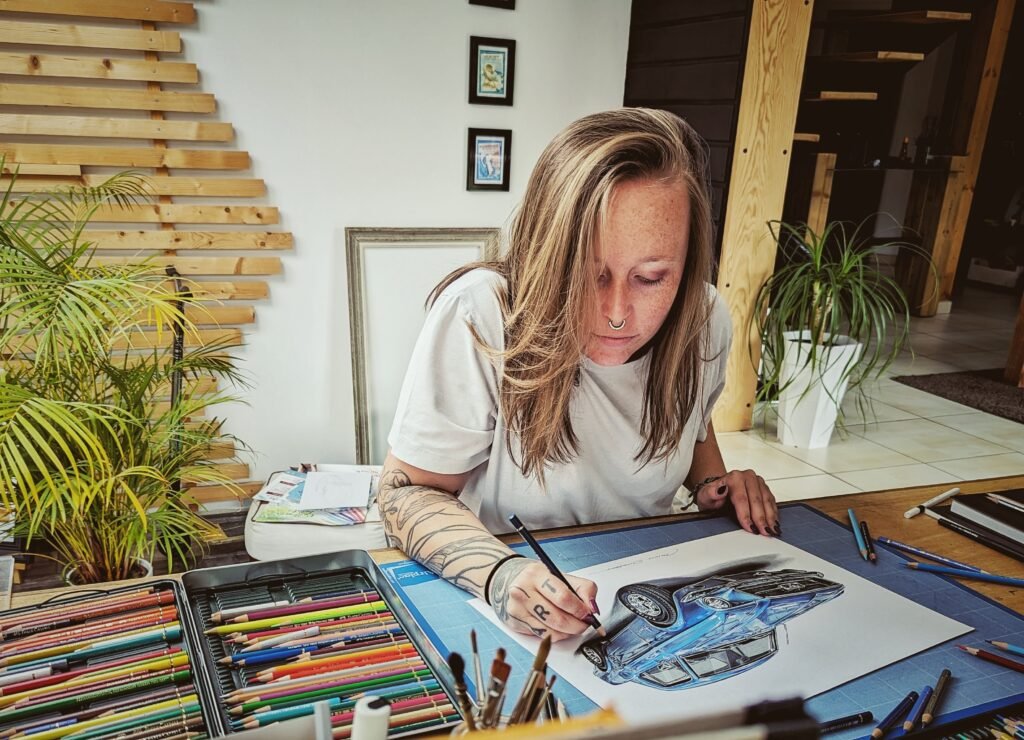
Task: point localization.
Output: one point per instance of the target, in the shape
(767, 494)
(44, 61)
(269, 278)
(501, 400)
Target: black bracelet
(487, 584)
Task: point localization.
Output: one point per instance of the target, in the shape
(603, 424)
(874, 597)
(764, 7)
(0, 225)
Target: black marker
(842, 723)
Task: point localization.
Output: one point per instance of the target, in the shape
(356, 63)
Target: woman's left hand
(753, 501)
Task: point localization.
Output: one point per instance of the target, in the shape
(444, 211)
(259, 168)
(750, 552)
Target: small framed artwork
(492, 64)
(488, 160)
(503, 4)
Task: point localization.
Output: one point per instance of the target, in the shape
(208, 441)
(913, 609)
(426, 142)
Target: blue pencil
(1008, 647)
(918, 709)
(861, 545)
(896, 545)
(1004, 580)
(893, 717)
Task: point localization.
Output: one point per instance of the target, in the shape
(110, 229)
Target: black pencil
(872, 555)
(550, 565)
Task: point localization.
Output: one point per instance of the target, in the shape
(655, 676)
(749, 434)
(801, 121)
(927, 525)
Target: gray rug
(985, 390)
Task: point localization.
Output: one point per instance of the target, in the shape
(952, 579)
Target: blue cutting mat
(977, 685)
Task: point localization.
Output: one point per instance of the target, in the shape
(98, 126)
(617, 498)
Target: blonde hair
(549, 269)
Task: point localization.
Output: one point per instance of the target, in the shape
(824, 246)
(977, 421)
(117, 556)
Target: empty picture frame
(492, 67)
(390, 273)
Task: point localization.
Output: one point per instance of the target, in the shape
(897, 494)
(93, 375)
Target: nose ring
(616, 327)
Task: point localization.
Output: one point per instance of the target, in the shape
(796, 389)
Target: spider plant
(830, 287)
(92, 456)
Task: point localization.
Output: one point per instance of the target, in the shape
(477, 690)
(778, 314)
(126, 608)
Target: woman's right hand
(528, 599)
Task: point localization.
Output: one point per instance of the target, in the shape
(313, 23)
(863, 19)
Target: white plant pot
(810, 401)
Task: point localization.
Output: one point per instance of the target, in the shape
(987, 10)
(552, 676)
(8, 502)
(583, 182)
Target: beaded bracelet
(487, 583)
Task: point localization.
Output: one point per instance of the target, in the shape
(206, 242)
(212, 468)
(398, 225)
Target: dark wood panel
(721, 37)
(713, 122)
(719, 162)
(666, 11)
(675, 83)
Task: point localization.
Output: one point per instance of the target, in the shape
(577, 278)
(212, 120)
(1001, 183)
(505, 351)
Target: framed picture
(503, 4)
(488, 159)
(386, 319)
(492, 64)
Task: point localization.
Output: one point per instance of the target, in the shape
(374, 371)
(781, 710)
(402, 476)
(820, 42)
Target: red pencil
(36, 683)
(993, 658)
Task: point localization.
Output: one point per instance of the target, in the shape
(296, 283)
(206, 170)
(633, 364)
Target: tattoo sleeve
(438, 530)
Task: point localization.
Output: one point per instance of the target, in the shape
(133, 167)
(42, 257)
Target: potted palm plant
(92, 454)
(829, 320)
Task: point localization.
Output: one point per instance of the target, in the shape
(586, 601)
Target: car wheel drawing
(681, 633)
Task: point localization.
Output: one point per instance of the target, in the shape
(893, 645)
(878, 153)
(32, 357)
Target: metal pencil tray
(278, 577)
(190, 636)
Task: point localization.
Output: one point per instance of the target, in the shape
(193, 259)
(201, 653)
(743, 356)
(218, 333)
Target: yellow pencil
(259, 624)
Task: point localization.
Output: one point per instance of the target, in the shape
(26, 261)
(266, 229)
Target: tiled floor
(915, 438)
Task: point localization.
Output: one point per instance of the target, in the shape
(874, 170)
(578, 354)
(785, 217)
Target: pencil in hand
(590, 619)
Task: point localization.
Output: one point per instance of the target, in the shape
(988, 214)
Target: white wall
(355, 113)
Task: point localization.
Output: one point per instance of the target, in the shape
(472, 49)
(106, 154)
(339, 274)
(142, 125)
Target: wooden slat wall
(69, 40)
(688, 58)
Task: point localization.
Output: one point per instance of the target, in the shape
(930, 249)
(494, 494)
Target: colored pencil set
(337, 646)
(106, 665)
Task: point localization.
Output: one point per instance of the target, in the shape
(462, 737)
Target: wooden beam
(30, 184)
(228, 470)
(110, 156)
(63, 170)
(227, 291)
(1015, 362)
(88, 37)
(809, 138)
(201, 315)
(882, 57)
(912, 17)
(204, 186)
(821, 191)
(184, 214)
(52, 65)
(970, 132)
(116, 128)
(136, 240)
(151, 10)
(214, 494)
(834, 95)
(191, 266)
(106, 97)
(776, 51)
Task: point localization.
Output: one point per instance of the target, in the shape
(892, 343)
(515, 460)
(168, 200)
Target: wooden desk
(883, 510)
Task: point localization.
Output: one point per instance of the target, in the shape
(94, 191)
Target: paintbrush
(496, 689)
(539, 667)
(541, 702)
(458, 668)
(481, 690)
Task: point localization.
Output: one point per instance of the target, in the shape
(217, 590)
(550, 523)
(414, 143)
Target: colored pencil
(528, 537)
(323, 624)
(843, 723)
(1007, 547)
(259, 690)
(993, 658)
(329, 595)
(232, 611)
(1008, 647)
(172, 706)
(273, 692)
(383, 680)
(956, 572)
(857, 534)
(61, 647)
(301, 608)
(868, 544)
(412, 722)
(282, 639)
(310, 616)
(922, 553)
(371, 655)
(918, 709)
(893, 717)
(940, 688)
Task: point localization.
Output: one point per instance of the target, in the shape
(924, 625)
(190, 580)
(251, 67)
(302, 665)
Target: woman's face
(641, 250)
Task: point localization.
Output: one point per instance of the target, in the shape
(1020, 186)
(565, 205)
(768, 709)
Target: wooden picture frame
(488, 159)
(385, 316)
(492, 67)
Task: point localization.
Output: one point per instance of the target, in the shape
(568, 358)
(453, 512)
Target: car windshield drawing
(686, 632)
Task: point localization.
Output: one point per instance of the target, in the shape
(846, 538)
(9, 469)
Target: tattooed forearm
(438, 530)
(501, 586)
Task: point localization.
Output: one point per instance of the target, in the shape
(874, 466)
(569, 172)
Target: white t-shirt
(449, 421)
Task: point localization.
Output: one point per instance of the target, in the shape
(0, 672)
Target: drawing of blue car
(681, 633)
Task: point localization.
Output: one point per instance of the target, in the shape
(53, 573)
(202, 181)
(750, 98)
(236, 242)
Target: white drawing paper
(335, 490)
(840, 627)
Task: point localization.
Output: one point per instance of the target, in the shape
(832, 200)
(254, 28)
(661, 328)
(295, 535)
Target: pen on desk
(910, 513)
(1009, 503)
(890, 719)
(1008, 647)
(550, 565)
(857, 534)
(843, 723)
(921, 553)
(868, 544)
(995, 544)
(993, 658)
(957, 573)
(933, 704)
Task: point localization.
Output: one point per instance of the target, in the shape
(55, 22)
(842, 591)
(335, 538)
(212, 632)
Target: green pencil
(330, 690)
(113, 725)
